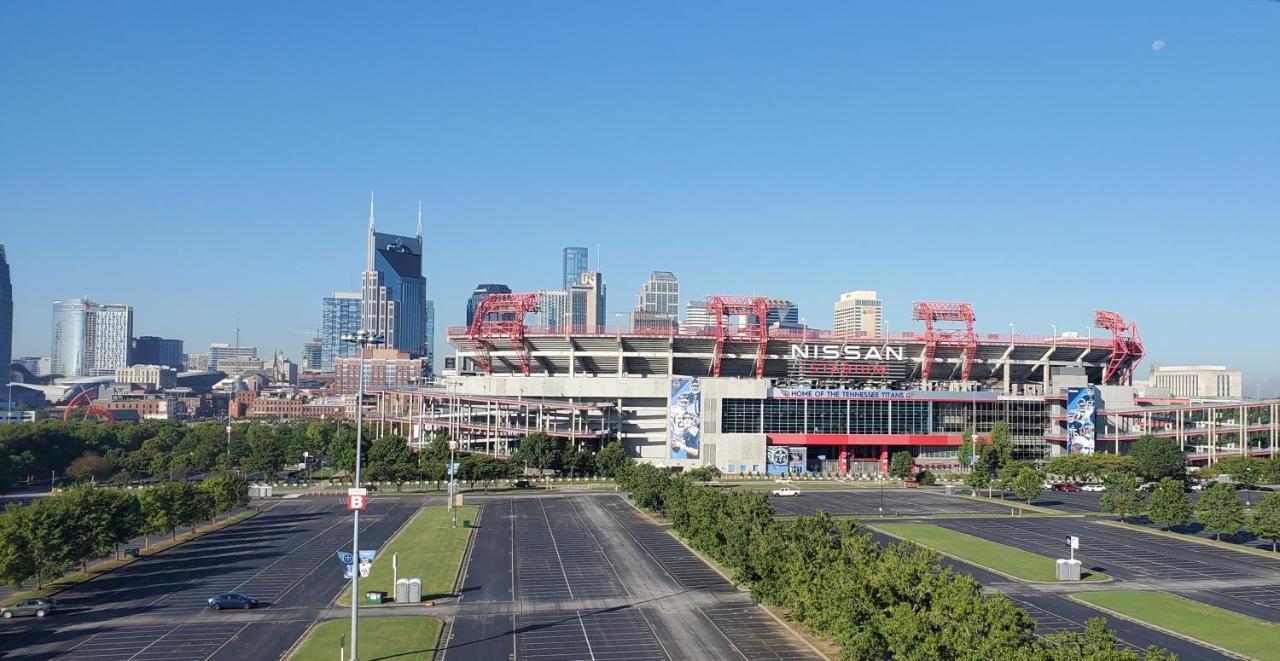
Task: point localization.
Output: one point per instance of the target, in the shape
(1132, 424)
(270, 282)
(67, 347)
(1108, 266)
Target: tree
(611, 458)
(1244, 470)
(86, 466)
(578, 462)
(900, 464)
(966, 447)
(979, 476)
(1001, 444)
(1158, 458)
(1122, 496)
(1072, 466)
(1028, 484)
(1220, 511)
(541, 451)
(226, 492)
(1170, 505)
(1265, 520)
(266, 451)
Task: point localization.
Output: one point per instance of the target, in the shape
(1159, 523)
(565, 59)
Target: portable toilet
(402, 591)
(415, 590)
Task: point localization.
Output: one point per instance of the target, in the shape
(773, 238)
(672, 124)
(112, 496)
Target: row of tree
(43, 540)
(1219, 510)
(876, 602)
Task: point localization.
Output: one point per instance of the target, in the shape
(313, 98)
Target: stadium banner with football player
(684, 418)
(1081, 417)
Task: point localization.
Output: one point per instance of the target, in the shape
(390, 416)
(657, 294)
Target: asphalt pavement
(156, 608)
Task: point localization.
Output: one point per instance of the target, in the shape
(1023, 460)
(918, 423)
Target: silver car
(36, 607)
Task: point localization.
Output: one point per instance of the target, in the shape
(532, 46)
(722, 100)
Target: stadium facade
(760, 399)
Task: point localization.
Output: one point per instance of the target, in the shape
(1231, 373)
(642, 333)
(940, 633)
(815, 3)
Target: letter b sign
(357, 499)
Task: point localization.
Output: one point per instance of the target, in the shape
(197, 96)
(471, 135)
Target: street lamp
(362, 339)
(1011, 332)
(1055, 334)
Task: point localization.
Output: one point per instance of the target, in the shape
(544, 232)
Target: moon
(1157, 45)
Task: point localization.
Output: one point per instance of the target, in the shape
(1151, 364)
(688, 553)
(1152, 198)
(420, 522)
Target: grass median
(429, 548)
(1019, 564)
(408, 638)
(1228, 630)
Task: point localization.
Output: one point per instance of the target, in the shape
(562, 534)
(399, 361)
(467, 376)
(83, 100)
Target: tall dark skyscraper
(575, 264)
(150, 350)
(6, 317)
(394, 297)
(478, 295)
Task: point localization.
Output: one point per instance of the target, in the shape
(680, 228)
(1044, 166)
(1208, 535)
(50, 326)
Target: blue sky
(213, 161)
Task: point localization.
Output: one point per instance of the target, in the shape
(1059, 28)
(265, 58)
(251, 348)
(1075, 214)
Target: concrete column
(1008, 385)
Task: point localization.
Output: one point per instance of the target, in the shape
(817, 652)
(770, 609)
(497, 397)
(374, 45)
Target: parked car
(232, 600)
(1066, 487)
(522, 484)
(1092, 487)
(1197, 487)
(28, 607)
(786, 491)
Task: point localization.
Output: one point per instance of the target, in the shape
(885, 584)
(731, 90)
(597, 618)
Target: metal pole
(355, 513)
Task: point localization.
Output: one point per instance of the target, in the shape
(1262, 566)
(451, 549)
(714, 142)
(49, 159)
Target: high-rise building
(479, 294)
(1198, 381)
(339, 316)
(394, 296)
(859, 314)
(6, 317)
(383, 368)
(151, 350)
(553, 305)
(90, 339)
(221, 351)
(695, 315)
(658, 303)
(196, 362)
(29, 363)
(586, 309)
(431, 337)
(313, 355)
(575, 263)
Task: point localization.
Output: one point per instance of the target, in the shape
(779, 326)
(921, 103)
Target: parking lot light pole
(362, 339)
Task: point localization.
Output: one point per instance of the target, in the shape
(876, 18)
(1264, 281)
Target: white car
(786, 491)
(1092, 487)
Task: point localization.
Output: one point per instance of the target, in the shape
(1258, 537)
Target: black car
(232, 600)
(522, 484)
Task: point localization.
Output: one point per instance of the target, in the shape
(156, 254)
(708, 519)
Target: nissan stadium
(745, 397)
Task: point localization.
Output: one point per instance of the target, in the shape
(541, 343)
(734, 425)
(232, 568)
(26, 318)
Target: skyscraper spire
(369, 255)
(419, 221)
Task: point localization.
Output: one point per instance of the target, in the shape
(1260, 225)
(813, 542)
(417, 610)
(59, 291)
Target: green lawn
(406, 638)
(1239, 633)
(1004, 559)
(430, 549)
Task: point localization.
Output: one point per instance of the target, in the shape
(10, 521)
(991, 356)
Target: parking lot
(584, 577)
(892, 502)
(155, 608)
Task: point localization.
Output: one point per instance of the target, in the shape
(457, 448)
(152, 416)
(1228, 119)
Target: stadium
(749, 398)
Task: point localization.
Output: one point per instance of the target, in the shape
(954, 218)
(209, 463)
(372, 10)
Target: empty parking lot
(872, 502)
(583, 577)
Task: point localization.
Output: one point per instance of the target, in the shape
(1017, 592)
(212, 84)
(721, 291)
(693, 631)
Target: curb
(1175, 634)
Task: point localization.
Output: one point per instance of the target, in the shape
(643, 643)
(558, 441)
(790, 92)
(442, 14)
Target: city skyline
(844, 193)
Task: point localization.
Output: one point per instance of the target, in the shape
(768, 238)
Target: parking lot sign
(357, 499)
(453, 468)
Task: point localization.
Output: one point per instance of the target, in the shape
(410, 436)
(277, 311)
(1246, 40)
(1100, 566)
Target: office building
(238, 364)
(340, 315)
(695, 315)
(586, 309)
(383, 368)
(658, 303)
(575, 263)
(221, 351)
(479, 294)
(90, 339)
(859, 314)
(553, 305)
(151, 350)
(431, 336)
(29, 363)
(313, 355)
(196, 362)
(1198, 381)
(154, 377)
(394, 295)
(6, 316)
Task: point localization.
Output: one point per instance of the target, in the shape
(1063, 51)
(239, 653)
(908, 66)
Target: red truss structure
(84, 399)
(1126, 346)
(501, 316)
(755, 310)
(932, 312)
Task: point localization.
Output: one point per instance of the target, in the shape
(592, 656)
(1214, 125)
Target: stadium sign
(845, 352)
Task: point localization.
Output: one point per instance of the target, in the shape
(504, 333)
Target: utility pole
(362, 339)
